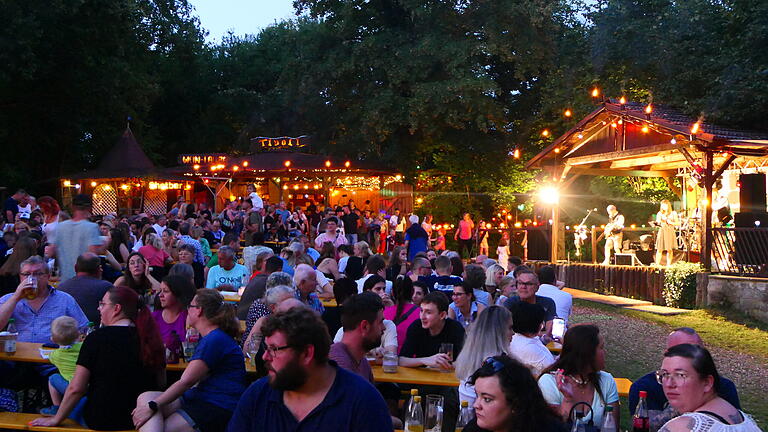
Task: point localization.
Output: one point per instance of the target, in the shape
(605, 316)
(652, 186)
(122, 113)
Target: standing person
(440, 241)
(303, 389)
(256, 202)
(254, 223)
(427, 225)
(464, 232)
(613, 232)
(690, 380)
(205, 396)
(381, 243)
(160, 224)
(578, 376)
(51, 217)
(394, 222)
(76, 236)
(331, 234)
(416, 238)
(666, 243)
(125, 353)
(11, 205)
(488, 336)
(503, 253)
(351, 221)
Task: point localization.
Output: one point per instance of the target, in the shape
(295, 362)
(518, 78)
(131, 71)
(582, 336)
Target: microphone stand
(578, 233)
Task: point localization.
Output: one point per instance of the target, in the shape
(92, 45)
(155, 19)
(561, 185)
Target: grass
(634, 352)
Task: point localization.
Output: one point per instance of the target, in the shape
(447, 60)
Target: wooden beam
(622, 172)
(722, 168)
(626, 154)
(588, 139)
(648, 160)
(706, 252)
(675, 189)
(669, 166)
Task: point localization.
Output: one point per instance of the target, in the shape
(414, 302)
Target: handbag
(588, 426)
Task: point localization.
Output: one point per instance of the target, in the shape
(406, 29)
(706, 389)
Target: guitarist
(613, 232)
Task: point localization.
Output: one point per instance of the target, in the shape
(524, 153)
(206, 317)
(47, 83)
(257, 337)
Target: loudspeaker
(645, 257)
(752, 193)
(539, 243)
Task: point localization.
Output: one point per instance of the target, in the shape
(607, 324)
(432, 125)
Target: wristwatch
(153, 406)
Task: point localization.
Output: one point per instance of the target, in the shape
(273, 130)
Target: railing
(637, 282)
(740, 251)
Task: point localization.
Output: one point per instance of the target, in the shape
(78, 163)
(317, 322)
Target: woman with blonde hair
(666, 242)
(493, 276)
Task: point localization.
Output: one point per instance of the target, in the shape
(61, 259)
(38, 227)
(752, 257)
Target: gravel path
(635, 347)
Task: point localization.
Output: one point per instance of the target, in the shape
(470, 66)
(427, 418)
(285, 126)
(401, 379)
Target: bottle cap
(417, 399)
(464, 404)
(414, 392)
(643, 394)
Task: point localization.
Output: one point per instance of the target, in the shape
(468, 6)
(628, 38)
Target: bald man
(658, 410)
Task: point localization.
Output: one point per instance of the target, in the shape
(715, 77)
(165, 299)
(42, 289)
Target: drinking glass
(433, 418)
(390, 362)
(447, 348)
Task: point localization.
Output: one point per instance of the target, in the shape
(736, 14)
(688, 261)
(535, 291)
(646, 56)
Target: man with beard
(362, 317)
(304, 390)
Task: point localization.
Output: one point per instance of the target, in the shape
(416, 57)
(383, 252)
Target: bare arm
(75, 391)
(438, 360)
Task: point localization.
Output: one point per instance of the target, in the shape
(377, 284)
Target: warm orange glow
(648, 109)
(245, 163)
(568, 113)
(545, 133)
(295, 187)
(287, 163)
(205, 181)
(93, 184)
(557, 150)
(285, 187)
(645, 129)
(124, 186)
(622, 100)
(196, 167)
(516, 154)
(518, 224)
(306, 186)
(235, 168)
(347, 164)
(595, 92)
(613, 125)
(695, 127)
(419, 200)
(328, 164)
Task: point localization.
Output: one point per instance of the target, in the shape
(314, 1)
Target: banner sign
(279, 143)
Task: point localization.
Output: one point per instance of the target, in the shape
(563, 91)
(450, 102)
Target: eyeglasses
(458, 294)
(36, 274)
(273, 350)
(195, 306)
(495, 364)
(102, 304)
(527, 284)
(678, 377)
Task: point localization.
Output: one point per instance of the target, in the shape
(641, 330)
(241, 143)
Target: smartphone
(558, 328)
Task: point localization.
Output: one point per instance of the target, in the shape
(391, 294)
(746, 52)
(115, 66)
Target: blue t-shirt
(656, 399)
(237, 276)
(226, 376)
(417, 239)
(352, 404)
(443, 284)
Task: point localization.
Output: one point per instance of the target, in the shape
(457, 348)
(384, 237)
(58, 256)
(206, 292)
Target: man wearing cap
(416, 238)
(76, 236)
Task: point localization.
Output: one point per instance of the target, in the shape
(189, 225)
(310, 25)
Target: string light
(347, 164)
(568, 113)
(245, 163)
(695, 128)
(235, 168)
(645, 129)
(327, 164)
(287, 163)
(196, 167)
(93, 184)
(622, 100)
(545, 133)
(516, 153)
(595, 92)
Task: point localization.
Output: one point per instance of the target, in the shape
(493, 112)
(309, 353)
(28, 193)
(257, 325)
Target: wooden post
(555, 232)
(593, 238)
(706, 251)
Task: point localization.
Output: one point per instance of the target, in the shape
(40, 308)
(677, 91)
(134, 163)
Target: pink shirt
(465, 229)
(155, 257)
(165, 329)
(402, 328)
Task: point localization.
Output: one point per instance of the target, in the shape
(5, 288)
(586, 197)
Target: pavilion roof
(624, 138)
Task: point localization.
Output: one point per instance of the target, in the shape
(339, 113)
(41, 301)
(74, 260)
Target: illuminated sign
(202, 158)
(280, 143)
(164, 185)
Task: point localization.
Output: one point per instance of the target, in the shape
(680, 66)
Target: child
(440, 241)
(65, 333)
(503, 252)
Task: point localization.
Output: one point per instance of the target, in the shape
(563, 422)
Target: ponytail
(218, 312)
(403, 293)
(151, 348)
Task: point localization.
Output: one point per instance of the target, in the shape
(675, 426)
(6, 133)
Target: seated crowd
(487, 323)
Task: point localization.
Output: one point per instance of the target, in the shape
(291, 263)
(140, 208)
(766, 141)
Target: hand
(439, 360)
(45, 421)
(140, 415)
(23, 286)
(565, 384)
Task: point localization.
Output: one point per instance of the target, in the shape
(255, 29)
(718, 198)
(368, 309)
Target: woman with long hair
(137, 276)
(489, 335)
(118, 245)
(156, 256)
(403, 313)
(175, 294)
(578, 375)
(51, 217)
(119, 361)
(397, 263)
(510, 400)
(24, 248)
(327, 263)
(208, 391)
(493, 276)
(690, 381)
(666, 242)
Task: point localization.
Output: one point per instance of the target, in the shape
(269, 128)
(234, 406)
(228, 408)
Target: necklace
(580, 382)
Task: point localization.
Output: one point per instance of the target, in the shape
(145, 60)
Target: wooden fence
(644, 283)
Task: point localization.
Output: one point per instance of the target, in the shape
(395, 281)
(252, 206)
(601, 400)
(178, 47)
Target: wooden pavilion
(126, 182)
(631, 139)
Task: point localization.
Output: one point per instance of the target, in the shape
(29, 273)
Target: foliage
(680, 284)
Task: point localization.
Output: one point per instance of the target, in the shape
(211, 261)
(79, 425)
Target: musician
(666, 243)
(613, 232)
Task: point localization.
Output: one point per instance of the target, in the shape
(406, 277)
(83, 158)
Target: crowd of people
(121, 296)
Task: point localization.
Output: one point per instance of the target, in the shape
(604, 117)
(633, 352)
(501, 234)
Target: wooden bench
(20, 422)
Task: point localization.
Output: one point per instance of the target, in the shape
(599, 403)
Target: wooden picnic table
(420, 376)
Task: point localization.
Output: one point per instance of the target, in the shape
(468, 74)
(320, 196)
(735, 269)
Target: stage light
(549, 195)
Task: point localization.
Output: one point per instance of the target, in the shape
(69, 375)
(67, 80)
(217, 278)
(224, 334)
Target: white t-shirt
(361, 282)
(531, 352)
(237, 276)
(159, 229)
(258, 203)
(553, 396)
(563, 300)
(25, 211)
(388, 339)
